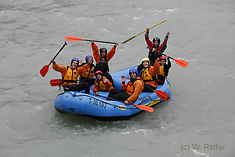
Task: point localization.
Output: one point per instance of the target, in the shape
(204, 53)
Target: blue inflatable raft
(91, 105)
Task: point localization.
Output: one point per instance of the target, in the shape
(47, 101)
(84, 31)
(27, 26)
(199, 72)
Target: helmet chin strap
(102, 55)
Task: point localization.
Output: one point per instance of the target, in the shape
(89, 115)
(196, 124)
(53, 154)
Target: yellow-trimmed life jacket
(70, 76)
(89, 73)
(161, 71)
(101, 86)
(146, 76)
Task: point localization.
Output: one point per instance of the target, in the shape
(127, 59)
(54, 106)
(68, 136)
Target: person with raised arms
(103, 58)
(70, 75)
(101, 83)
(130, 91)
(148, 74)
(155, 49)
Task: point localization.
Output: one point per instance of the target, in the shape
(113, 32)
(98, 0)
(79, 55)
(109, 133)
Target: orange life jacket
(130, 88)
(146, 76)
(134, 89)
(102, 86)
(70, 77)
(89, 73)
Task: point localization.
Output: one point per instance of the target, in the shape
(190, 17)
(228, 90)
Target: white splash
(46, 50)
(144, 131)
(125, 133)
(104, 29)
(137, 18)
(109, 18)
(38, 107)
(171, 10)
(156, 11)
(82, 18)
(131, 29)
(74, 134)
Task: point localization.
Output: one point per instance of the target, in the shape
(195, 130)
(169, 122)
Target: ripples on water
(197, 112)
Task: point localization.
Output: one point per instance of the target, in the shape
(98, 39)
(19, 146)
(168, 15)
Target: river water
(197, 121)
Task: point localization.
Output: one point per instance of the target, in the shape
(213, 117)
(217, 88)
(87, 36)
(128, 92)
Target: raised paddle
(71, 38)
(142, 107)
(159, 93)
(142, 32)
(45, 68)
(180, 62)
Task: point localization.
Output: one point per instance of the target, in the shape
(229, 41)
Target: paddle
(56, 82)
(159, 93)
(180, 62)
(45, 68)
(146, 108)
(71, 38)
(142, 107)
(142, 32)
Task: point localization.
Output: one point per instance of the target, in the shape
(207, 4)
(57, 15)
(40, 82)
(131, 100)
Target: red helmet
(162, 58)
(98, 72)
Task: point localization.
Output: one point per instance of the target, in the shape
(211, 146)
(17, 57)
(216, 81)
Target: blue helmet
(74, 59)
(87, 57)
(133, 71)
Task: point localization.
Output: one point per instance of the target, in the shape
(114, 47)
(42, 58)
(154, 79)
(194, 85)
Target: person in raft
(164, 69)
(87, 76)
(103, 58)
(101, 83)
(130, 91)
(148, 74)
(155, 49)
(70, 75)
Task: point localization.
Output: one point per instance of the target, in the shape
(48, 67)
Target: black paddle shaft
(101, 41)
(59, 51)
(111, 98)
(114, 99)
(168, 56)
